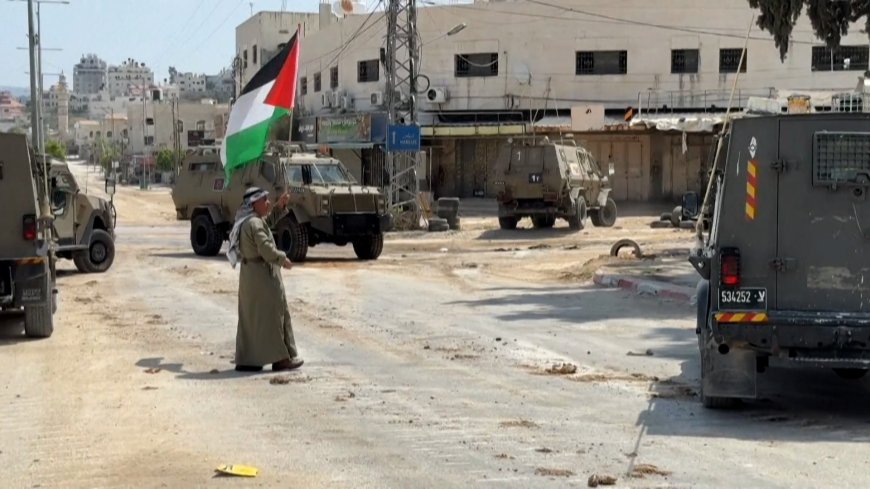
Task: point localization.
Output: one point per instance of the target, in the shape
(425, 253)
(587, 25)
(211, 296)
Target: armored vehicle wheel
(99, 256)
(293, 239)
(509, 222)
(454, 223)
(544, 222)
(369, 247)
(39, 320)
(605, 216)
(578, 221)
(850, 373)
(205, 237)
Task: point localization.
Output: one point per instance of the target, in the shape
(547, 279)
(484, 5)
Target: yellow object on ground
(239, 470)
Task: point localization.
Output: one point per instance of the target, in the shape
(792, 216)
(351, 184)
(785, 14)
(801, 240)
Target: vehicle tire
(438, 225)
(508, 222)
(38, 321)
(544, 222)
(850, 373)
(99, 256)
(578, 221)
(205, 237)
(604, 217)
(454, 223)
(293, 239)
(369, 247)
(677, 216)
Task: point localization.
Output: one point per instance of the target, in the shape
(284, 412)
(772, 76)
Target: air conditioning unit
(437, 95)
(346, 102)
(377, 98)
(326, 99)
(336, 99)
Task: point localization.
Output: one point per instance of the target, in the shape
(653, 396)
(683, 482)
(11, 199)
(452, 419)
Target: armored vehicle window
(294, 174)
(267, 170)
(330, 174)
(841, 157)
(203, 167)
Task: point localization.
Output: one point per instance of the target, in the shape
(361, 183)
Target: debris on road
(543, 450)
(214, 371)
(553, 472)
(287, 379)
(238, 470)
(626, 243)
(647, 353)
(345, 397)
(562, 369)
(504, 456)
(152, 370)
(519, 423)
(541, 246)
(596, 480)
(642, 470)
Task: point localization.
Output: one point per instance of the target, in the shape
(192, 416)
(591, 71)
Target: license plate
(743, 299)
(536, 178)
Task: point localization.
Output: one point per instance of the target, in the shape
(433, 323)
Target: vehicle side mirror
(611, 169)
(110, 186)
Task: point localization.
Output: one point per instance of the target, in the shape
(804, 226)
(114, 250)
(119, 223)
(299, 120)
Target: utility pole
(402, 57)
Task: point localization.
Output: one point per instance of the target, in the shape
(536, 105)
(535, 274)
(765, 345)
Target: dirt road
(432, 367)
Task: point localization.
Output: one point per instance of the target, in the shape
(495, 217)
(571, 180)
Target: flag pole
(293, 109)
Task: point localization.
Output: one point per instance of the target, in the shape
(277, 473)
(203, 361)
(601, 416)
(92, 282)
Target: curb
(662, 290)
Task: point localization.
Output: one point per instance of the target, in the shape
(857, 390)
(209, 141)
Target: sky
(191, 35)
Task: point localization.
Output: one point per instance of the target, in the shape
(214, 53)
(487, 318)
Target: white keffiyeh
(245, 212)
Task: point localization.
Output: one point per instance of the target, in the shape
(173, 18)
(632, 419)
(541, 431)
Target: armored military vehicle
(84, 225)
(27, 262)
(784, 274)
(326, 204)
(546, 181)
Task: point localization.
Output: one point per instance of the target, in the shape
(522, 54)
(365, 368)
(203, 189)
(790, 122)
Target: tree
(55, 149)
(166, 160)
(830, 18)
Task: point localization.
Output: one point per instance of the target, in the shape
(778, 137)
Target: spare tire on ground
(437, 225)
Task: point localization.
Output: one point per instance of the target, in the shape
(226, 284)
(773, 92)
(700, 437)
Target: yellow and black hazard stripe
(751, 190)
(741, 317)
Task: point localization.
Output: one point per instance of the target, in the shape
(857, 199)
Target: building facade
(89, 75)
(129, 78)
(490, 71)
(10, 108)
(193, 124)
(260, 37)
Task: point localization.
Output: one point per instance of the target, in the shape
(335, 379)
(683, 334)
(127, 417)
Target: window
(303, 85)
(844, 58)
(200, 125)
(179, 126)
(602, 62)
(316, 82)
(333, 77)
(254, 55)
(245, 58)
(149, 140)
(368, 71)
(729, 59)
(684, 60)
(477, 64)
(149, 121)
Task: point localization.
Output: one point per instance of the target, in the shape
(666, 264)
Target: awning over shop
(472, 130)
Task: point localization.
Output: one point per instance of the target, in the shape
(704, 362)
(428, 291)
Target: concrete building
(221, 86)
(190, 85)
(10, 108)
(129, 78)
(63, 96)
(260, 37)
(195, 124)
(89, 75)
(516, 63)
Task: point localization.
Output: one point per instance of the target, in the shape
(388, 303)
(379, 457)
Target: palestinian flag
(269, 96)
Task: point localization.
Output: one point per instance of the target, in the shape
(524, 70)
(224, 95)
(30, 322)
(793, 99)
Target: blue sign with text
(403, 138)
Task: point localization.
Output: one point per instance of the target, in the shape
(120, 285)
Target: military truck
(784, 269)
(84, 225)
(546, 181)
(326, 204)
(27, 261)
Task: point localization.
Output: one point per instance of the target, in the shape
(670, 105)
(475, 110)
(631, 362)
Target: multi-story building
(221, 86)
(194, 124)
(190, 85)
(260, 37)
(10, 108)
(129, 78)
(494, 70)
(89, 75)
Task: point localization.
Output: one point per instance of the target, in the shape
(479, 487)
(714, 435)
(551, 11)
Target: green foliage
(830, 19)
(166, 159)
(55, 149)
